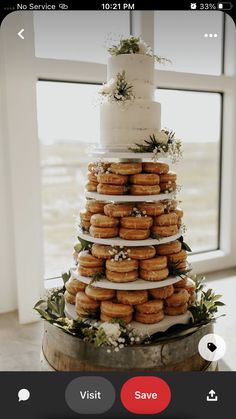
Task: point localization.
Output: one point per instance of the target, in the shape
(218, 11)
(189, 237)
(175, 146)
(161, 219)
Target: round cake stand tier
(138, 284)
(129, 198)
(121, 154)
(143, 330)
(117, 241)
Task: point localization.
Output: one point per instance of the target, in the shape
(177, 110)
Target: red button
(145, 395)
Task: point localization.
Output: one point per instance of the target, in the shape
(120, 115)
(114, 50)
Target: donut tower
(132, 264)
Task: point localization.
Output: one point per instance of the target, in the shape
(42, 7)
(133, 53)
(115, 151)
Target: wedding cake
(131, 262)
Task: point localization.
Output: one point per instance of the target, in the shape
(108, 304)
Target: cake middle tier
(121, 126)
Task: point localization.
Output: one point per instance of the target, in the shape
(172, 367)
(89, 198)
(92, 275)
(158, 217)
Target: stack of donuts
(130, 221)
(126, 264)
(143, 306)
(131, 178)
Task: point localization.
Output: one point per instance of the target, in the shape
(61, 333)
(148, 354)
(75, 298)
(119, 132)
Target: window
(78, 35)
(184, 38)
(68, 120)
(195, 117)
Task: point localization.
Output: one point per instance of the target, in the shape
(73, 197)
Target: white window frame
(23, 70)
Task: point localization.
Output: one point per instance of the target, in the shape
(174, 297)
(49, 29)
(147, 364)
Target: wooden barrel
(63, 352)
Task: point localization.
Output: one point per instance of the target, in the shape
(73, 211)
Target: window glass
(68, 122)
(195, 117)
(78, 35)
(191, 40)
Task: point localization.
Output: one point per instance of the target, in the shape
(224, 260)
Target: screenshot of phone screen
(117, 206)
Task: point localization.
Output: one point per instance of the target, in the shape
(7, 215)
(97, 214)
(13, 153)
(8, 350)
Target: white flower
(161, 137)
(143, 47)
(108, 88)
(111, 330)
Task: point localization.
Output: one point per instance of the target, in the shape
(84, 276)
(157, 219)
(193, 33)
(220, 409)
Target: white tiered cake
(121, 128)
(133, 261)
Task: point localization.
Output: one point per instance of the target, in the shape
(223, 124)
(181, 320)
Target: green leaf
(78, 247)
(65, 276)
(186, 247)
(44, 314)
(39, 303)
(219, 303)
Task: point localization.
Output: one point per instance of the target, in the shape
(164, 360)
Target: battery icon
(224, 6)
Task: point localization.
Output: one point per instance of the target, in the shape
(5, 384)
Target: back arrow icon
(20, 34)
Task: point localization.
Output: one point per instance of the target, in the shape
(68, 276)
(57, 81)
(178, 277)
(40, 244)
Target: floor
(20, 345)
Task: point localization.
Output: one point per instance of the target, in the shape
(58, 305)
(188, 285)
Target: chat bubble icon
(23, 395)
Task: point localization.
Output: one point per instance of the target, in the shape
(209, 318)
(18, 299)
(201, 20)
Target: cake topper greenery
(117, 89)
(135, 45)
(161, 144)
(115, 335)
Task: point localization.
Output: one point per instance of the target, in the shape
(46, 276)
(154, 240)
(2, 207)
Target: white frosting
(139, 72)
(122, 126)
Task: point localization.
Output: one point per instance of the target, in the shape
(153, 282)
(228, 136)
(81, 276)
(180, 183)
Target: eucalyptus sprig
(184, 245)
(96, 277)
(162, 143)
(82, 245)
(207, 302)
(135, 45)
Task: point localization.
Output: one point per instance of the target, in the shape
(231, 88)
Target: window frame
(29, 70)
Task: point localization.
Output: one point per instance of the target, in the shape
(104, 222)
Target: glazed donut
(192, 298)
(141, 252)
(126, 168)
(176, 311)
(84, 313)
(103, 232)
(74, 285)
(101, 220)
(133, 234)
(105, 318)
(106, 189)
(91, 186)
(85, 271)
(85, 215)
(95, 207)
(149, 318)
(89, 261)
(165, 219)
(158, 167)
(70, 298)
(153, 264)
(151, 208)
(169, 248)
(181, 283)
(118, 210)
(178, 257)
(124, 265)
(98, 166)
(144, 189)
(167, 186)
(188, 284)
(150, 307)
(180, 297)
(179, 212)
(132, 297)
(121, 277)
(168, 177)
(101, 251)
(112, 179)
(99, 294)
(143, 223)
(165, 231)
(144, 179)
(85, 225)
(114, 309)
(162, 293)
(154, 275)
(83, 301)
(92, 177)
